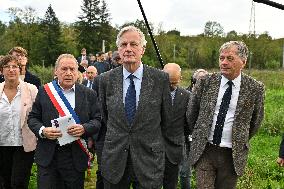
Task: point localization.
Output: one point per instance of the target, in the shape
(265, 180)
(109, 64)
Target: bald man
(91, 74)
(179, 127)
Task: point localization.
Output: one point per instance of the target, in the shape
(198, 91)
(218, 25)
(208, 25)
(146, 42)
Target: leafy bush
(44, 73)
(272, 64)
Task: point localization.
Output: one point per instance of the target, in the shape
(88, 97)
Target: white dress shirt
(10, 120)
(70, 96)
(226, 140)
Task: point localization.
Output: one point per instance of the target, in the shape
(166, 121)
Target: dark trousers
(170, 175)
(215, 169)
(127, 179)
(15, 167)
(100, 180)
(185, 169)
(61, 173)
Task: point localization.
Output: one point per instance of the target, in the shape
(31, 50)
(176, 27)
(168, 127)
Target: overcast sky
(187, 16)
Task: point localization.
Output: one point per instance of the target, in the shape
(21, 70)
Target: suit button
(125, 150)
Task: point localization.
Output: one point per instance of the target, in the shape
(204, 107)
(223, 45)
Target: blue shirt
(138, 74)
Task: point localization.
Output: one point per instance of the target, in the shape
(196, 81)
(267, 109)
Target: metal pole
(250, 59)
(283, 58)
(151, 35)
(103, 46)
(174, 53)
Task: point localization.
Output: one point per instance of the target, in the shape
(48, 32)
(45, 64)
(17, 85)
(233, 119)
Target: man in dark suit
(280, 159)
(26, 76)
(91, 74)
(179, 127)
(135, 104)
(63, 166)
(225, 110)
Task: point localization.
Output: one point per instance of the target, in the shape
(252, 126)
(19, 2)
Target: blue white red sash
(64, 108)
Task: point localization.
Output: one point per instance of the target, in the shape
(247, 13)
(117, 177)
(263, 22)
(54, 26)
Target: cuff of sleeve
(41, 132)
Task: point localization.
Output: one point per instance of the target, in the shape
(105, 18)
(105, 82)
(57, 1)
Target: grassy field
(262, 172)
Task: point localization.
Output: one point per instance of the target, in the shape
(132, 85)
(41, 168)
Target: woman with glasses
(17, 141)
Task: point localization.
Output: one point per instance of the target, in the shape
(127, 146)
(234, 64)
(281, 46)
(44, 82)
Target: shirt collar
(69, 90)
(236, 81)
(138, 73)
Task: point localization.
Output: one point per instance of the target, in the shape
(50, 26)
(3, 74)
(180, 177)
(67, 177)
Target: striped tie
(130, 101)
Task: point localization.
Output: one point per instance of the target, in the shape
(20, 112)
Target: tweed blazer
(43, 111)
(248, 116)
(28, 94)
(179, 127)
(143, 140)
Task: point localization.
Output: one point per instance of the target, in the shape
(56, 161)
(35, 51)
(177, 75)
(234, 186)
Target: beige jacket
(28, 94)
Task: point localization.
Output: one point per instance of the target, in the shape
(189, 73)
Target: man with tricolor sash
(63, 166)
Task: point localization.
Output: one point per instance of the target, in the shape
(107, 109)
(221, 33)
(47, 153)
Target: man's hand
(51, 133)
(76, 130)
(280, 161)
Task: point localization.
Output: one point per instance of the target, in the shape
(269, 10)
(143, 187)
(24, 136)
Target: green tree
(106, 31)
(88, 26)
(213, 29)
(50, 28)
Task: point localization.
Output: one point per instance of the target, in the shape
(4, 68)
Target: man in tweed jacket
(219, 165)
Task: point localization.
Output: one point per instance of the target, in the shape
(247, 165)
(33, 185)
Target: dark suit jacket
(32, 79)
(1, 78)
(43, 112)
(143, 140)
(85, 82)
(281, 151)
(248, 116)
(179, 126)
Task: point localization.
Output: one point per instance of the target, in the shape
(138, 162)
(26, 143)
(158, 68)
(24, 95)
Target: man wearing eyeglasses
(26, 76)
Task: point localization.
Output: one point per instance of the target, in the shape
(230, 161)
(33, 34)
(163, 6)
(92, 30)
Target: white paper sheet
(62, 123)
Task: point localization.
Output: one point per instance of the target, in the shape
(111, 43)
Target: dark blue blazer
(43, 111)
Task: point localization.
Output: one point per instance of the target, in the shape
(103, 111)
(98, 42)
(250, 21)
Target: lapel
(243, 94)
(79, 98)
(145, 92)
(178, 97)
(115, 90)
(25, 101)
(212, 92)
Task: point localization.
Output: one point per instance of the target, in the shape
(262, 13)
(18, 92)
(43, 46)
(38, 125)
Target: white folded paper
(62, 123)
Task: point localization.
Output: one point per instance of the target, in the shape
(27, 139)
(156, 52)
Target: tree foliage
(45, 38)
(213, 29)
(51, 45)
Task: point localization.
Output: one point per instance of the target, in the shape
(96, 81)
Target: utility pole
(283, 57)
(250, 59)
(103, 46)
(174, 53)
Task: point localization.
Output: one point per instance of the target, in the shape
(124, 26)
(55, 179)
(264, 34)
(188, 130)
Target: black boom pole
(151, 35)
(270, 3)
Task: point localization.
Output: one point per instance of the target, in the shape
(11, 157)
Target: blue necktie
(130, 101)
(222, 114)
(91, 84)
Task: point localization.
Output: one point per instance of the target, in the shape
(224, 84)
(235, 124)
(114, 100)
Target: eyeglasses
(13, 67)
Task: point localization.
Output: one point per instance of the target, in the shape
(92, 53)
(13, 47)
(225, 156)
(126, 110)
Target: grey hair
(241, 47)
(197, 72)
(131, 28)
(64, 56)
